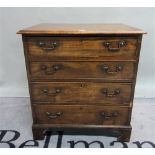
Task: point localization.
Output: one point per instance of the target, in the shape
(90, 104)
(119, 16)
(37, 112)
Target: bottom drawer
(77, 114)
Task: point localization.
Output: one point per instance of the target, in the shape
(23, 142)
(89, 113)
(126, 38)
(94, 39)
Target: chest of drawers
(82, 77)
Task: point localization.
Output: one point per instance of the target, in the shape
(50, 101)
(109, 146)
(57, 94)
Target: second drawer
(82, 92)
(117, 70)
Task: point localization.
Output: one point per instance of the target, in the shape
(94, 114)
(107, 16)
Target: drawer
(82, 70)
(82, 92)
(45, 48)
(77, 114)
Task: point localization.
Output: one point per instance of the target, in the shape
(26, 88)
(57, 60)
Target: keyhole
(83, 85)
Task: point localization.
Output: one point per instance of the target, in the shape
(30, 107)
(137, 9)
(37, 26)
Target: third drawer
(82, 93)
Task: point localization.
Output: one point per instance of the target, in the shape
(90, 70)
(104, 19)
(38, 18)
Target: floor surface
(16, 120)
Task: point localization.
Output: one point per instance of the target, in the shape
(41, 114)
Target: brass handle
(112, 93)
(50, 70)
(106, 69)
(115, 49)
(106, 116)
(47, 46)
(51, 93)
(53, 116)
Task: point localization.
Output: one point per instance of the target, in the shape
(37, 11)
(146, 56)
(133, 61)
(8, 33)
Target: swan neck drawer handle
(120, 44)
(53, 115)
(113, 93)
(51, 70)
(106, 69)
(106, 116)
(51, 93)
(47, 46)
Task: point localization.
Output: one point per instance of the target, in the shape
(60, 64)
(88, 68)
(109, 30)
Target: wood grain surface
(47, 28)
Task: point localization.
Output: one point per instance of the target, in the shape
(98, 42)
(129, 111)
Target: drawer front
(82, 92)
(92, 115)
(82, 70)
(42, 48)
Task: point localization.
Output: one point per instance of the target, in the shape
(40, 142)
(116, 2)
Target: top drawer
(45, 48)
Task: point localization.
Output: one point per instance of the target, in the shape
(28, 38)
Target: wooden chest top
(80, 29)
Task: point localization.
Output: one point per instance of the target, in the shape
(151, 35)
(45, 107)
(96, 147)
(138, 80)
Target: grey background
(13, 81)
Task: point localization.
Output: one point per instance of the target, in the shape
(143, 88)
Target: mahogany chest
(82, 77)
